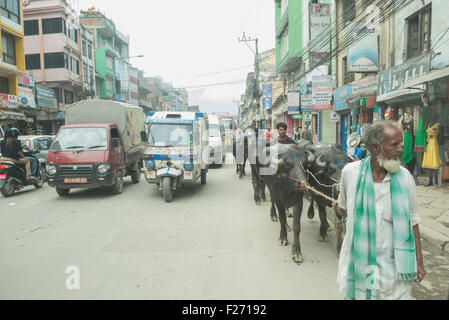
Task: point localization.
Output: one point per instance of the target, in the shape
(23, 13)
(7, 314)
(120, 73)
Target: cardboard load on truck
(129, 118)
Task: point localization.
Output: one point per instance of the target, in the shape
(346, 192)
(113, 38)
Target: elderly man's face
(389, 155)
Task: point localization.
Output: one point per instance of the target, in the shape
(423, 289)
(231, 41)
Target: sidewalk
(433, 208)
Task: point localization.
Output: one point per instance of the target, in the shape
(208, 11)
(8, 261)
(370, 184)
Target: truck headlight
(103, 168)
(51, 169)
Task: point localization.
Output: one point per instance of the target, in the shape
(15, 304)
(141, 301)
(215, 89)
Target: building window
(54, 25)
(418, 35)
(348, 11)
(4, 85)
(84, 48)
(85, 74)
(109, 85)
(109, 63)
(74, 65)
(8, 48)
(33, 61)
(56, 60)
(89, 50)
(73, 34)
(69, 97)
(348, 77)
(31, 27)
(11, 10)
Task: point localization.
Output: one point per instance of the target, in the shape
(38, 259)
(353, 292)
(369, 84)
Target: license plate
(75, 180)
(188, 175)
(151, 174)
(2, 176)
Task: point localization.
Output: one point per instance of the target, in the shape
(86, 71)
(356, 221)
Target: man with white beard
(381, 252)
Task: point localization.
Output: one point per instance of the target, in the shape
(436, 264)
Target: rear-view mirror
(115, 143)
(143, 136)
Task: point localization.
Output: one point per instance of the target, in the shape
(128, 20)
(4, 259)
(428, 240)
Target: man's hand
(421, 272)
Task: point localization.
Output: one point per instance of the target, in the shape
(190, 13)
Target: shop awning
(400, 95)
(12, 115)
(431, 76)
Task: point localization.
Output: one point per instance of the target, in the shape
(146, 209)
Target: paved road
(212, 242)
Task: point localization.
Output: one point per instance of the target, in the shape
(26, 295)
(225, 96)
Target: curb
(435, 238)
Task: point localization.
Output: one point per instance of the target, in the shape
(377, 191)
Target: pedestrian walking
(282, 131)
(297, 135)
(381, 253)
(306, 134)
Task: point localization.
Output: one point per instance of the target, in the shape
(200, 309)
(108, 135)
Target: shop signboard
(319, 31)
(335, 117)
(8, 101)
(341, 95)
(26, 80)
(308, 117)
(395, 78)
(322, 92)
(363, 54)
(365, 85)
(26, 98)
(293, 102)
(46, 97)
(306, 97)
(267, 96)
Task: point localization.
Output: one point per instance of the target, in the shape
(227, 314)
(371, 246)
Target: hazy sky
(182, 40)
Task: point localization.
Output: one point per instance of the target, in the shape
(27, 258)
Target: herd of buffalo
(320, 165)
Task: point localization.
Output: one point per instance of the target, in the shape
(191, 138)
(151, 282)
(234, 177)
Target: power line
(212, 73)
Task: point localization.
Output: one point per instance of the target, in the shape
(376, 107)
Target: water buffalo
(286, 191)
(324, 176)
(240, 152)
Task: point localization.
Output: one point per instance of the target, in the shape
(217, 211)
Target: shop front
(46, 99)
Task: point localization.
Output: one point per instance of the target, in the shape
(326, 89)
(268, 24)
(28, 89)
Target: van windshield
(171, 135)
(214, 130)
(81, 139)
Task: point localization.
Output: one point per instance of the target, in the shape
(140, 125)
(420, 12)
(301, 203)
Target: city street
(211, 242)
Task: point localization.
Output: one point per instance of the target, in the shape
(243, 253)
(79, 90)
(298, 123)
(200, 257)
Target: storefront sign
(308, 117)
(293, 102)
(340, 97)
(364, 85)
(8, 101)
(394, 78)
(26, 80)
(322, 92)
(26, 98)
(46, 97)
(363, 54)
(267, 96)
(319, 26)
(335, 117)
(306, 97)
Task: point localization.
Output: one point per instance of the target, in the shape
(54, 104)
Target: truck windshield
(80, 139)
(214, 130)
(171, 135)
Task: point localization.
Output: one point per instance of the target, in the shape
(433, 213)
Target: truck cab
(96, 154)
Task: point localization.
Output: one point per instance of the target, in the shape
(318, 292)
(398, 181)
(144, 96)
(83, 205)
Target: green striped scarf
(362, 282)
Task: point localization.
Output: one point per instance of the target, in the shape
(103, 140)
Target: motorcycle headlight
(51, 169)
(103, 168)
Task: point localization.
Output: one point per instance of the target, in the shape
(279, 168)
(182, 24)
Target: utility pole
(256, 92)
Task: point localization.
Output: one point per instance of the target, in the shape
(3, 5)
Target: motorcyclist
(11, 150)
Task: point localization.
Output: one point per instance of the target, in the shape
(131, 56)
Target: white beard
(392, 166)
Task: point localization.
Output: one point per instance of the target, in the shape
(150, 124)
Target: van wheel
(135, 175)
(62, 192)
(203, 177)
(166, 189)
(117, 188)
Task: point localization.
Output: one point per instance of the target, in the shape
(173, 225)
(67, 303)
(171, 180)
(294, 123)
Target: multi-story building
(134, 86)
(12, 63)
(53, 57)
(88, 63)
(122, 66)
(106, 52)
(145, 91)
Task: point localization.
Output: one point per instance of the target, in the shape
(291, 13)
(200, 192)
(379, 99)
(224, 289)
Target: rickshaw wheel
(166, 189)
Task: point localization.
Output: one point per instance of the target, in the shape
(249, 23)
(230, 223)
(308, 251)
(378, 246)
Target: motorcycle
(13, 176)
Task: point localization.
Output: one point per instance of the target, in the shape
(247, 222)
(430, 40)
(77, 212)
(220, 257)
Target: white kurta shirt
(390, 288)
